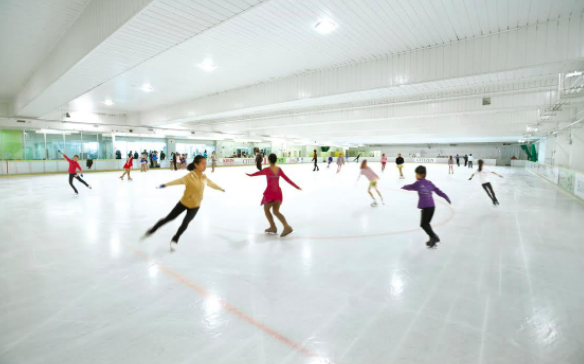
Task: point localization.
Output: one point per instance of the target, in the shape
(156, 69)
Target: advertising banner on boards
(425, 160)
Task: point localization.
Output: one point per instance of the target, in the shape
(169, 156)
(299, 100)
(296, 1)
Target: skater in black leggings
(484, 176)
(315, 160)
(259, 161)
(73, 168)
(195, 183)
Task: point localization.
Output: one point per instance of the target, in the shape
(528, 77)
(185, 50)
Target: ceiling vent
(21, 121)
(486, 101)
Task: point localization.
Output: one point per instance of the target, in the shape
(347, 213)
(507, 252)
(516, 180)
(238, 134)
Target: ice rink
(352, 284)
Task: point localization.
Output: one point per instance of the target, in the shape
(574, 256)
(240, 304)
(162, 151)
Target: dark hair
(75, 156)
(197, 161)
(272, 158)
(363, 163)
(481, 162)
(315, 150)
(421, 170)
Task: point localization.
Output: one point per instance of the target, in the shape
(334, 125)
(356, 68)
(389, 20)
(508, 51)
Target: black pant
(74, 175)
(176, 211)
(259, 165)
(489, 189)
(174, 163)
(469, 164)
(316, 165)
(427, 214)
(458, 162)
(465, 162)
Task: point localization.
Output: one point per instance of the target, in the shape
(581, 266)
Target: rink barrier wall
(565, 179)
(103, 165)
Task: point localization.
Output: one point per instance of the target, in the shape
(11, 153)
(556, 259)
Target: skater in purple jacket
(426, 202)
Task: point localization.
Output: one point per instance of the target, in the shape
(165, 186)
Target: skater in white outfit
(484, 176)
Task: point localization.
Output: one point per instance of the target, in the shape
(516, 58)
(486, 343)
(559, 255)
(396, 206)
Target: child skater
(330, 160)
(194, 182)
(127, 167)
(484, 176)
(273, 195)
(340, 162)
(315, 160)
(383, 162)
(426, 202)
(144, 164)
(214, 159)
(451, 165)
(372, 177)
(73, 167)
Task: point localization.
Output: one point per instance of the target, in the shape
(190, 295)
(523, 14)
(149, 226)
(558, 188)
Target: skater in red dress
(127, 167)
(273, 195)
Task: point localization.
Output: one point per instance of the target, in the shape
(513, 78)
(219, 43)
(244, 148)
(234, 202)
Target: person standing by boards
(258, 160)
(470, 159)
(73, 168)
(214, 159)
(458, 160)
(315, 160)
(399, 163)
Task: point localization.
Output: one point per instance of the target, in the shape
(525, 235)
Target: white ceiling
(277, 39)
(29, 29)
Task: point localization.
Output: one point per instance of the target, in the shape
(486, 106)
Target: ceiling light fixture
(325, 26)
(108, 102)
(147, 88)
(208, 65)
(574, 74)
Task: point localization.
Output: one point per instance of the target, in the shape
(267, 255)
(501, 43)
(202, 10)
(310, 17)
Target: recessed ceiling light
(108, 102)
(208, 65)
(147, 88)
(325, 26)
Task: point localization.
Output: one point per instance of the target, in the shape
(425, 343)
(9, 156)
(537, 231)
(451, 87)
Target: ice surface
(353, 284)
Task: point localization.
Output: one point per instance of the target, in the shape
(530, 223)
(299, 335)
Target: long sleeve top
(73, 165)
(368, 172)
(194, 188)
(425, 189)
(273, 191)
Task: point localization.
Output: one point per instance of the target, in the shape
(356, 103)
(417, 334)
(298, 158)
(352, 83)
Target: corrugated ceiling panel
(28, 31)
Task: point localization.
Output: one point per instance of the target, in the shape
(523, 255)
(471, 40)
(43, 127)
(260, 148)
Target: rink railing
(566, 179)
(103, 165)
